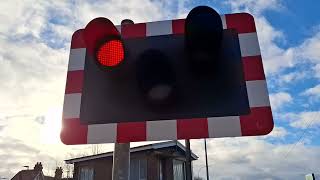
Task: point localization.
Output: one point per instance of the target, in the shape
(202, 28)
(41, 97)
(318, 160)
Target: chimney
(58, 173)
(38, 167)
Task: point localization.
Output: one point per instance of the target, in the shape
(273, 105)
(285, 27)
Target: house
(160, 161)
(37, 174)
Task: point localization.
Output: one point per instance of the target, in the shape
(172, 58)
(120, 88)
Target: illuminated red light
(111, 53)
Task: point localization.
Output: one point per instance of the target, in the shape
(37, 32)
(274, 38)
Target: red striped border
(236, 21)
(131, 131)
(77, 40)
(253, 68)
(192, 128)
(73, 132)
(258, 122)
(74, 82)
(133, 30)
(178, 26)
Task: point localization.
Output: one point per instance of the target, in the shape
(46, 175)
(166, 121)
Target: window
(86, 173)
(178, 170)
(138, 169)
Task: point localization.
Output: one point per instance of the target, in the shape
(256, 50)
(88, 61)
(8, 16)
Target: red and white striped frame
(258, 122)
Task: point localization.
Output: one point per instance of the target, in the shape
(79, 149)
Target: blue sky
(298, 20)
(298, 23)
(33, 66)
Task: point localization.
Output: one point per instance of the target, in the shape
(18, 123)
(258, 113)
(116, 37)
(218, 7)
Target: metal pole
(188, 161)
(121, 161)
(121, 153)
(205, 150)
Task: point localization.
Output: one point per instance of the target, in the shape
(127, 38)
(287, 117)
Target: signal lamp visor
(110, 53)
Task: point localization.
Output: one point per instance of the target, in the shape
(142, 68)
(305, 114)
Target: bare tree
(69, 169)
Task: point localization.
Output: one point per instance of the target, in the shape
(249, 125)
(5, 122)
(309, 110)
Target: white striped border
(167, 129)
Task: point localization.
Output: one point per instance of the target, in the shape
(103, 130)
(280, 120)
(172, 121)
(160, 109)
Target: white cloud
(275, 58)
(307, 119)
(254, 6)
(23, 142)
(33, 68)
(21, 20)
(278, 132)
(313, 92)
(32, 75)
(309, 49)
(292, 77)
(117, 10)
(253, 158)
(316, 70)
(277, 100)
(35, 72)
